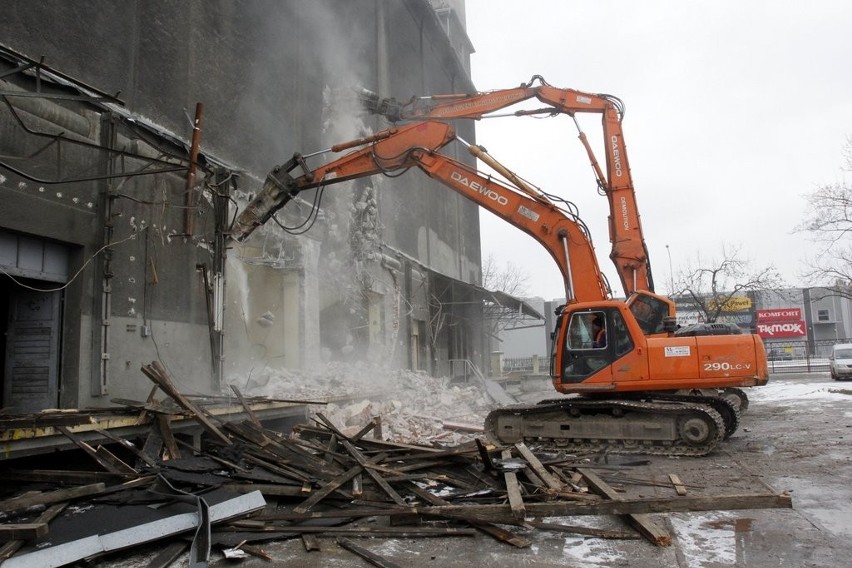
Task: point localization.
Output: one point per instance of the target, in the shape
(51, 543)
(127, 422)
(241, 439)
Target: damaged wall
(274, 78)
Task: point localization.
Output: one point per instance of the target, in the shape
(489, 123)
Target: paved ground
(795, 437)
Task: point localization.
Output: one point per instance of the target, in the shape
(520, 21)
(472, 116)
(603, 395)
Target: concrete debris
(413, 405)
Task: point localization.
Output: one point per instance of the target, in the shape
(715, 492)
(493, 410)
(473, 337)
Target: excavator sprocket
(623, 426)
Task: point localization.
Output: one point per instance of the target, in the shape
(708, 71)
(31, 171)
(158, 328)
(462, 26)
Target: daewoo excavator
(625, 386)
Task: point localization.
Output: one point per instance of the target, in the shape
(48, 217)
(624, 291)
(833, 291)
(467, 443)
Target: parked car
(840, 362)
(780, 355)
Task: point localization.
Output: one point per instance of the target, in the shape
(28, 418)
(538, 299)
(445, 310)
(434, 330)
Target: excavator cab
(655, 314)
(593, 339)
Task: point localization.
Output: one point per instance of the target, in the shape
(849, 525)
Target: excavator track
(623, 426)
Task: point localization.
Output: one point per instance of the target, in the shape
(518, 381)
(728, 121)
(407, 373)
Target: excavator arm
(417, 145)
(629, 252)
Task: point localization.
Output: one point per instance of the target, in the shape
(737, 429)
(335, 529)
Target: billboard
(780, 323)
(779, 314)
(781, 329)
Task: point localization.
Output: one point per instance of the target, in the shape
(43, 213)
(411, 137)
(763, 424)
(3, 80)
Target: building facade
(131, 134)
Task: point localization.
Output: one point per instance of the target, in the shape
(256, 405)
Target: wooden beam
(373, 559)
(22, 531)
(11, 547)
(164, 430)
(158, 374)
(11, 506)
(513, 490)
(246, 406)
(585, 531)
(643, 523)
(104, 458)
(327, 489)
(503, 514)
(678, 484)
(367, 465)
(549, 479)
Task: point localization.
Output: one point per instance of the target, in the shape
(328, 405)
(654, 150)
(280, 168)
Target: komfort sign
(780, 322)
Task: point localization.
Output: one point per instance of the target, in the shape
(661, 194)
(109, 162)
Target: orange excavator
(637, 384)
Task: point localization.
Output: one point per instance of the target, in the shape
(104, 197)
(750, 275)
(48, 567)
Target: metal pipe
(569, 284)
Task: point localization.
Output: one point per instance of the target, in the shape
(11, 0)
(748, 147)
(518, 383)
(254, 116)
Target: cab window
(650, 313)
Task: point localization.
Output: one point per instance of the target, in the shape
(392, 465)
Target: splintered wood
(321, 485)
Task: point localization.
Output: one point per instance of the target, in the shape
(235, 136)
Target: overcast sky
(734, 110)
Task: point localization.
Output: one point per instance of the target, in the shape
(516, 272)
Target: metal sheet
(79, 549)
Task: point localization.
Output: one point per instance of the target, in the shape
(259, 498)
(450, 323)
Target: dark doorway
(30, 321)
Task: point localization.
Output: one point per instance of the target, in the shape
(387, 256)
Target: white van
(840, 362)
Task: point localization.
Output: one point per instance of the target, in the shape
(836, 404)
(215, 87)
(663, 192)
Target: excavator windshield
(653, 313)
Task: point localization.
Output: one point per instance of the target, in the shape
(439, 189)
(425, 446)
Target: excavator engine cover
(697, 329)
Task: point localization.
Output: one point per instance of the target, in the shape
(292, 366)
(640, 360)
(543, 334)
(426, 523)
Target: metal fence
(783, 357)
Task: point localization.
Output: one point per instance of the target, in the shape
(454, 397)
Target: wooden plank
(245, 405)
(327, 489)
(461, 427)
(126, 444)
(22, 531)
(375, 421)
(513, 490)
(378, 432)
(157, 373)
(678, 484)
(642, 521)
(502, 513)
(367, 465)
(13, 546)
(365, 531)
(165, 430)
(143, 416)
(373, 559)
(62, 476)
(503, 535)
(272, 489)
(585, 531)
(117, 462)
(92, 453)
(11, 506)
(549, 479)
(334, 484)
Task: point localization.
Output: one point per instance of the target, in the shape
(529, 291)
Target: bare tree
(508, 279)
(713, 284)
(828, 221)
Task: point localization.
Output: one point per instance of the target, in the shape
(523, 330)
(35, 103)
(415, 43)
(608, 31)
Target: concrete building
(132, 133)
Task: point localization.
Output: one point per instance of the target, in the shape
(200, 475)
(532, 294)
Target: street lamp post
(671, 272)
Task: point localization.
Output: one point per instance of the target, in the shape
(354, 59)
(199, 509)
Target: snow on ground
(790, 393)
(412, 405)
(706, 539)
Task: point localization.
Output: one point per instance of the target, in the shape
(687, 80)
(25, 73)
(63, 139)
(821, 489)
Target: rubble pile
(415, 407)
(247, 486)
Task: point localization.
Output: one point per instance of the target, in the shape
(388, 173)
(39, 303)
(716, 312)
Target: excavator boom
(629, 252)
(416, 145)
